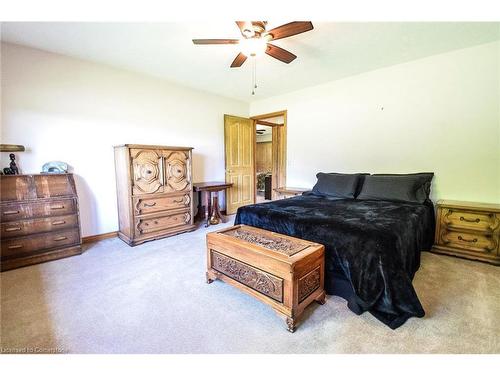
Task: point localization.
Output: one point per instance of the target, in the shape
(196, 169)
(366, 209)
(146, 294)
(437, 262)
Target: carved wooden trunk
(468, 230)
(38, 219)
(285, 272)
(154, 191)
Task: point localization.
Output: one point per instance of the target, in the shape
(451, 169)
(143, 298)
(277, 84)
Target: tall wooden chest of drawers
(154, 191)
(469, 230)
(39, 219)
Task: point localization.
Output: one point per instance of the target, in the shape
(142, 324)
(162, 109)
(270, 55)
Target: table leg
(199, 214)
(208, 198)
(216, 217)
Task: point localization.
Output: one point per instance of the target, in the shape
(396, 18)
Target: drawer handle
(14, 247)
(179, 201)
(62, 238)
(463, 239)
(11, 212)
(149, 205)
(57, 207)
(470, 220)
(13, 229)
(59, 222)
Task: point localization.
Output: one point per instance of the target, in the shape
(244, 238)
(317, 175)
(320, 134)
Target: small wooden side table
(208, 210)
(285, 192)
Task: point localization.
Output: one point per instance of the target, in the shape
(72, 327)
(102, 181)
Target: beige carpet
(154, 299)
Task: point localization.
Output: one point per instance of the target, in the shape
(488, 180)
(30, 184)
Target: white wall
(66, 109)
(437, 114)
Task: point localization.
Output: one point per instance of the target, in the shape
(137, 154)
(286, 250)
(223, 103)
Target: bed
(372, 247)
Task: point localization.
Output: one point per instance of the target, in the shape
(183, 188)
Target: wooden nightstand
(468, 230)
(286, 192)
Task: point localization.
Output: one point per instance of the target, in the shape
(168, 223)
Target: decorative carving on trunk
(177, 171)
(279, 244)
(309, 283)
(254, 278)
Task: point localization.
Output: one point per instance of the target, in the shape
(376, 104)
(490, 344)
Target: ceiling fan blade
(289, 29)
(239, 60)
(280, 53)
(216, 41)
(246, 28)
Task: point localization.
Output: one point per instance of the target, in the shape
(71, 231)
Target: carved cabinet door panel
(147, 169)
(177, 170)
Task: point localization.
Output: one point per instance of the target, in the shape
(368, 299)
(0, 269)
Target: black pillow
(337, 185)
(413, 187)
(361, 180)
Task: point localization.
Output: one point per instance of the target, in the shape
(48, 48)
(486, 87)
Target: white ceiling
(331, 51)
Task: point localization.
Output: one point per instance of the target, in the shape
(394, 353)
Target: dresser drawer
(15, 211)
(162, 223)
(16, 188)
(56, 207)
(25, 245)
(480, 242)
(469, 219)
(32, 226)
(147, 205)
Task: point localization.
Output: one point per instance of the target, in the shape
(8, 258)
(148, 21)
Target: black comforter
(374, 246)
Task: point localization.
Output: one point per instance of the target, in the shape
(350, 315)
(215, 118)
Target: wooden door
(239, 138)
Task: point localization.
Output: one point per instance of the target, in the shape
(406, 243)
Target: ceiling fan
(255, 40)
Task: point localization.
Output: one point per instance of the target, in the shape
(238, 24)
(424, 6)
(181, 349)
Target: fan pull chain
(254, 75)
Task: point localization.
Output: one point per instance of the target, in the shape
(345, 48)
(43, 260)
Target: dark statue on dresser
(13, 167)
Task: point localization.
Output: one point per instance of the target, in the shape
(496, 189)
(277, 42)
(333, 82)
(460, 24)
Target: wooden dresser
(469, 230)
(154, 191)
(39, 219)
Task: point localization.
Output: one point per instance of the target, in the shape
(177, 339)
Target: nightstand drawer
(474, 220)
(470, 241)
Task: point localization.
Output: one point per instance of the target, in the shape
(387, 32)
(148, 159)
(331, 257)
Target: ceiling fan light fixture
(253, 46)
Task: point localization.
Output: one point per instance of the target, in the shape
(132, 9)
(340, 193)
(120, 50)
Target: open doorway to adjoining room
(264, 162)
(242, 172)
(270, 155)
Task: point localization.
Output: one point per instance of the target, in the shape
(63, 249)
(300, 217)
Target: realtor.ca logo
(31, 350)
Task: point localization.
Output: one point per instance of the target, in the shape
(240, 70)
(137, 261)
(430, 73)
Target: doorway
(263, 162)
(277, 122)
(270, 154)
(240, 138)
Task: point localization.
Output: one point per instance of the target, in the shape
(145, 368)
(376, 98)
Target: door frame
(278, 153)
